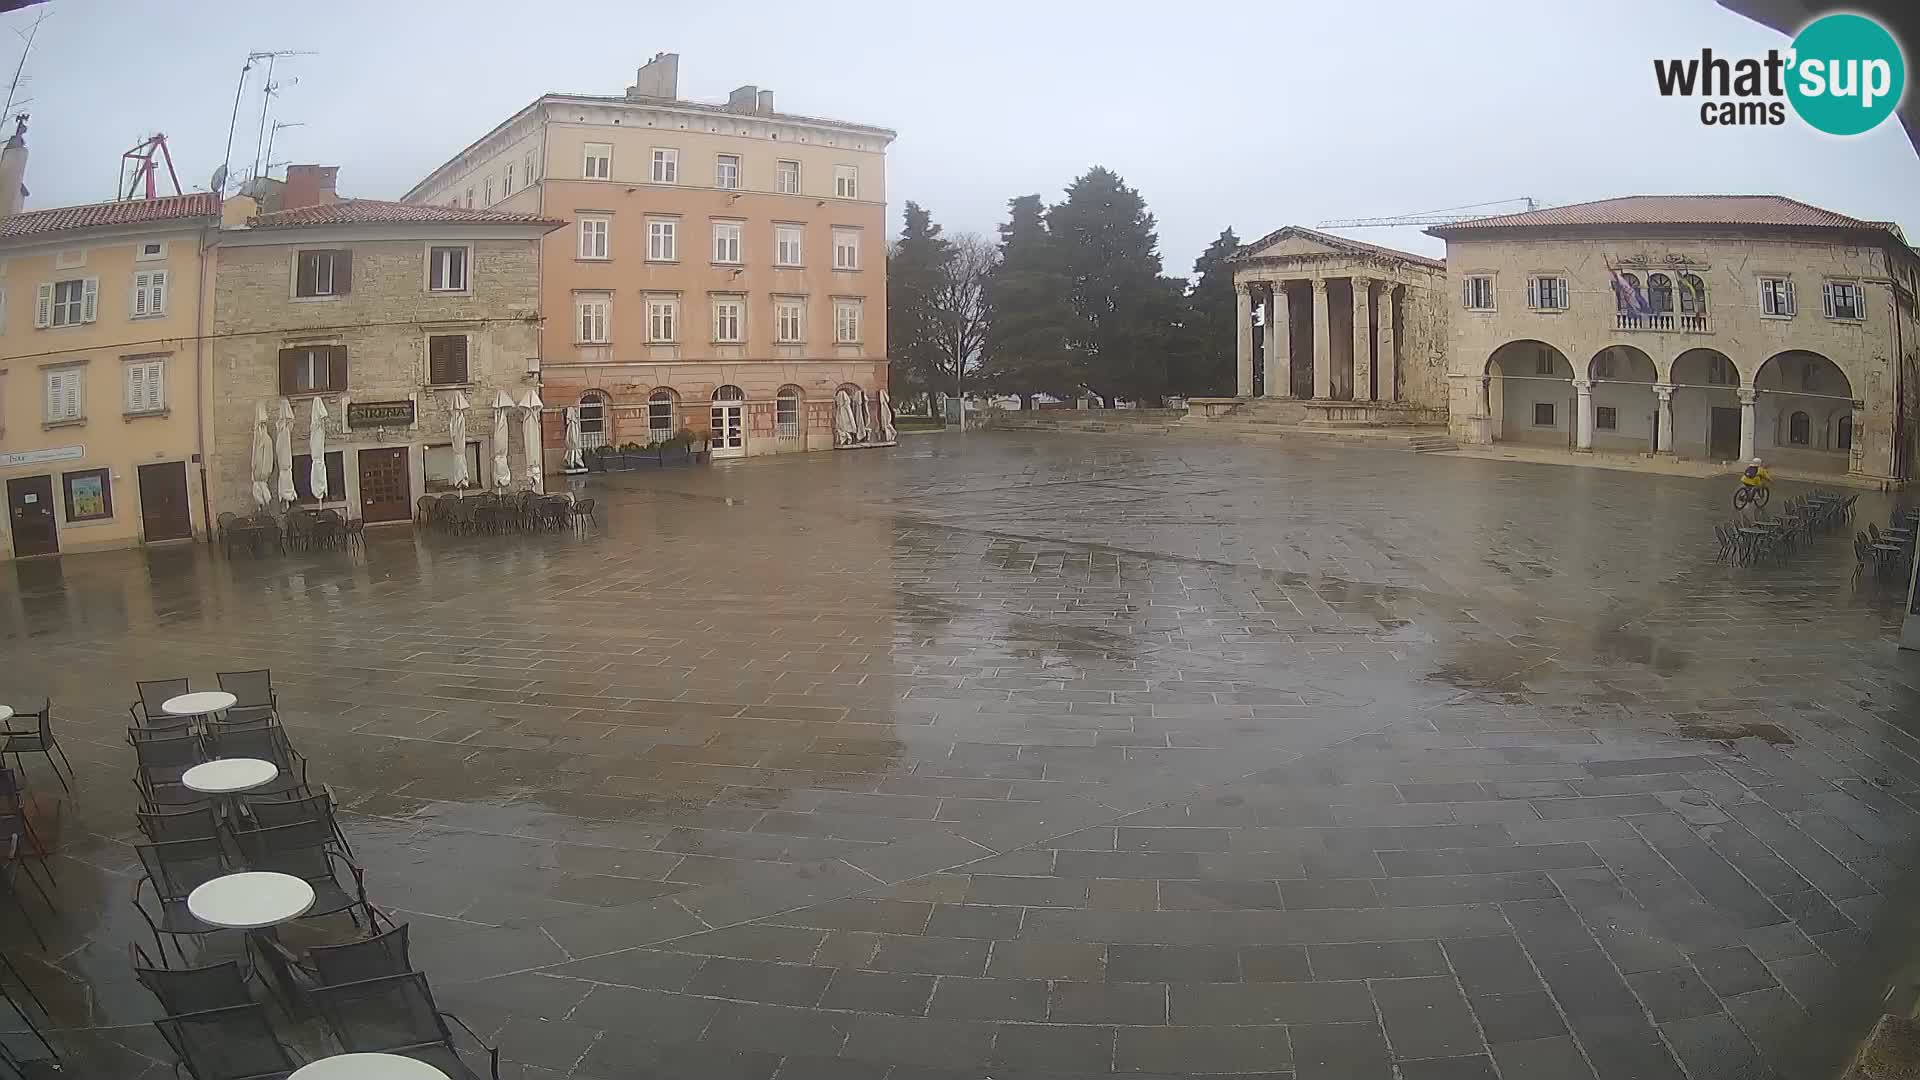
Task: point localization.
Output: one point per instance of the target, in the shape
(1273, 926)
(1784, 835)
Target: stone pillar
(1362, 339)
(1279, 343)
(1583, 415)
(1389, 365)
(1663, 418)
(1243, 340)
(1322, 343)
(1747, 399)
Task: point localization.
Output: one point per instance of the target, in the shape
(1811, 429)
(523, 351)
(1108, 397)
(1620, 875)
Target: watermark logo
(1844, 75)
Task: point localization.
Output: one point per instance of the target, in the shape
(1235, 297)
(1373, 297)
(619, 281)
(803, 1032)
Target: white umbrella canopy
(457, 432)
(283, 449)
(530, 407)
(317, 449)
(575, 443)
(262, 457)
(502, 474)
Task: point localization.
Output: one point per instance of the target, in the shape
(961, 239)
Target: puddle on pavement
(1729, 730)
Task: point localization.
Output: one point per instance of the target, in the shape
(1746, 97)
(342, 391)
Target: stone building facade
(724, 266)
(1354, 331)
(392, 317)
(1709, 327)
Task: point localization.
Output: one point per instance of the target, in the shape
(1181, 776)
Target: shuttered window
(66, 303)
(149, 293)
(1776, 297)
(1476, 293)
(327, 272)
(1844, 300)
(146, 386)
(313, 369)
(447, 269)
(66, 395)
(447, 359)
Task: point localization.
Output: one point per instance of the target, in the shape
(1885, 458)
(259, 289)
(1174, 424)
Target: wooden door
(1723, 434)
(164, 512)
(386, 485)
(30, 511)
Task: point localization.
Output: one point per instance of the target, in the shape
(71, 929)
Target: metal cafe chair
(193, 823)
(191, 989)
(173, 870)
(397, 1015)
(12, 1065)
(15, 822)
(252, 691)
(10, 858)
(235, 1043)
(271, 812)
(38, 741)
(266, 743)
(153, 693)
(376, 957)
(301, 850)
(161, 759)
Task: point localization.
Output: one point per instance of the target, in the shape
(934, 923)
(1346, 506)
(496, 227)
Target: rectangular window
(1776, 297)
(1543, 414)
(786, 244)
(1845, 300)
(1547, 293)
(146, 386)
(469, 198)
(313, 369)
(786, 415)
(447, 359)
(439, 466)
(659, 418)
(660, 241)
(597, 162)
(506, 182)
(326, 272)
(786, 177)
(66, 395)
(666, 165)
(1720, 371)
(846, 249)
(594, 237)
(726, 241)
(149, 293)
(447, 269)
(726, 322)
(1476, 292)
(662, 313)
(1604, 418)
(89, 494)
(726, 172)
(150, 250)
(592, 320)
(489, 201)
(846, 322)
(787, 321)
(531, 175)
(336, 463)
(1543, 362)
(67, 303)
(846, 182)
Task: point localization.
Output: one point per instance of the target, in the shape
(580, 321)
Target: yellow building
(102, 308)
(723, 269)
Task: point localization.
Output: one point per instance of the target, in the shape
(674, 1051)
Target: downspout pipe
(209, 237)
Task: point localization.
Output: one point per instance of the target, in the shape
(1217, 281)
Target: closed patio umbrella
(262, 457)
(576, 462)
(530, 407)
(317, 449)
(457, 432)
(502, 475)
(283, 449)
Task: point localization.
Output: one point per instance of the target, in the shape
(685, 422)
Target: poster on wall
(89, 496)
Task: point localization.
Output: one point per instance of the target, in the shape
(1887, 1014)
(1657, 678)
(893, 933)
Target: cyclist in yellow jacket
(1755, 475)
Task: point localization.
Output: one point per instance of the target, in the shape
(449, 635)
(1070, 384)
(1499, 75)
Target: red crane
(146, 167)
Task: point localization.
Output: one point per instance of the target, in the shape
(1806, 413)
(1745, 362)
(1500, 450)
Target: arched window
(660, 415)
(729, 393)
(1693, 295)
(1660, 293)
(1799, 429)
(786, 412)
(593, 419)
(1626, 287)
(1843, 433)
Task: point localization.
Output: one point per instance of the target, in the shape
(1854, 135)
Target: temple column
(1663, 418)
(1362, 339)
(1243, 340)
(1747, 399)
(1279, 343)
(1322, 343)
(1389, 365)
(1583, 414)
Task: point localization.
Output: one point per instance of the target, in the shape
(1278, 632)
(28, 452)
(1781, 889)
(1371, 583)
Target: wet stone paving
(1052, 756)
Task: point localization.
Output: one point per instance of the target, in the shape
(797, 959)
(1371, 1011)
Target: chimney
(13, 169)
(658, 78)
(309, 185)
(743, 99)
(764, 102)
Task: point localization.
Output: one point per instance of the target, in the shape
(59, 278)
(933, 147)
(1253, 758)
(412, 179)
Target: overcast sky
(1253, 115)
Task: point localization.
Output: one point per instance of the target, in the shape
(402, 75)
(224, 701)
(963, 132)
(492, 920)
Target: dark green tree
(1126, 314)
(915, 265)
(1030, 318)
(1204, 361)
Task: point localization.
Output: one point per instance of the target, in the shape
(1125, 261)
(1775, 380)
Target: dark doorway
(1723, 434)
(30, 507)
(386, 485)
(1301, 320)
(1262, 349)
(164, 512)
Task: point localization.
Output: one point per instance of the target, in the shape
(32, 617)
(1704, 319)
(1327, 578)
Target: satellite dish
(219, 181)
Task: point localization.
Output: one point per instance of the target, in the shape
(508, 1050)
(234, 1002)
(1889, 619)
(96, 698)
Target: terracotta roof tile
(381, 212)
(1761, 210)
(199, 204)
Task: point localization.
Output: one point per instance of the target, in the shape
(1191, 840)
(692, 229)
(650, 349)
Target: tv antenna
(19, 69)
(226, 164)
(277, 125)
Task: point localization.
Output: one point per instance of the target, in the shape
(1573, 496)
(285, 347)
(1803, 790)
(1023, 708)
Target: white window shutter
(89, 299)
(72, 394)
(157, 291)
(43, 307)
(1826, 293)
(1790, 310)
(1466, 292)
(136, 387)
(140, 294)
(1533, 292)
(54, 379)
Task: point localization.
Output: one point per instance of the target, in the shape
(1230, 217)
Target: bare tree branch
(959, 308)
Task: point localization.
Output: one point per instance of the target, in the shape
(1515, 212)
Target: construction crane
(146, 169)
(1445, 216)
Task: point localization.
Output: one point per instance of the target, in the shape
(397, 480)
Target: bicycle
(1754, 495)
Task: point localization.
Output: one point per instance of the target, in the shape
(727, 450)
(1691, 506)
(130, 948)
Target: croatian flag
(1632, 301)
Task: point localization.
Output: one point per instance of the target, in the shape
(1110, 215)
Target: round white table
(251, 900)
(6, 713)
(198, 703)
(367, 1067)
(229, 776)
